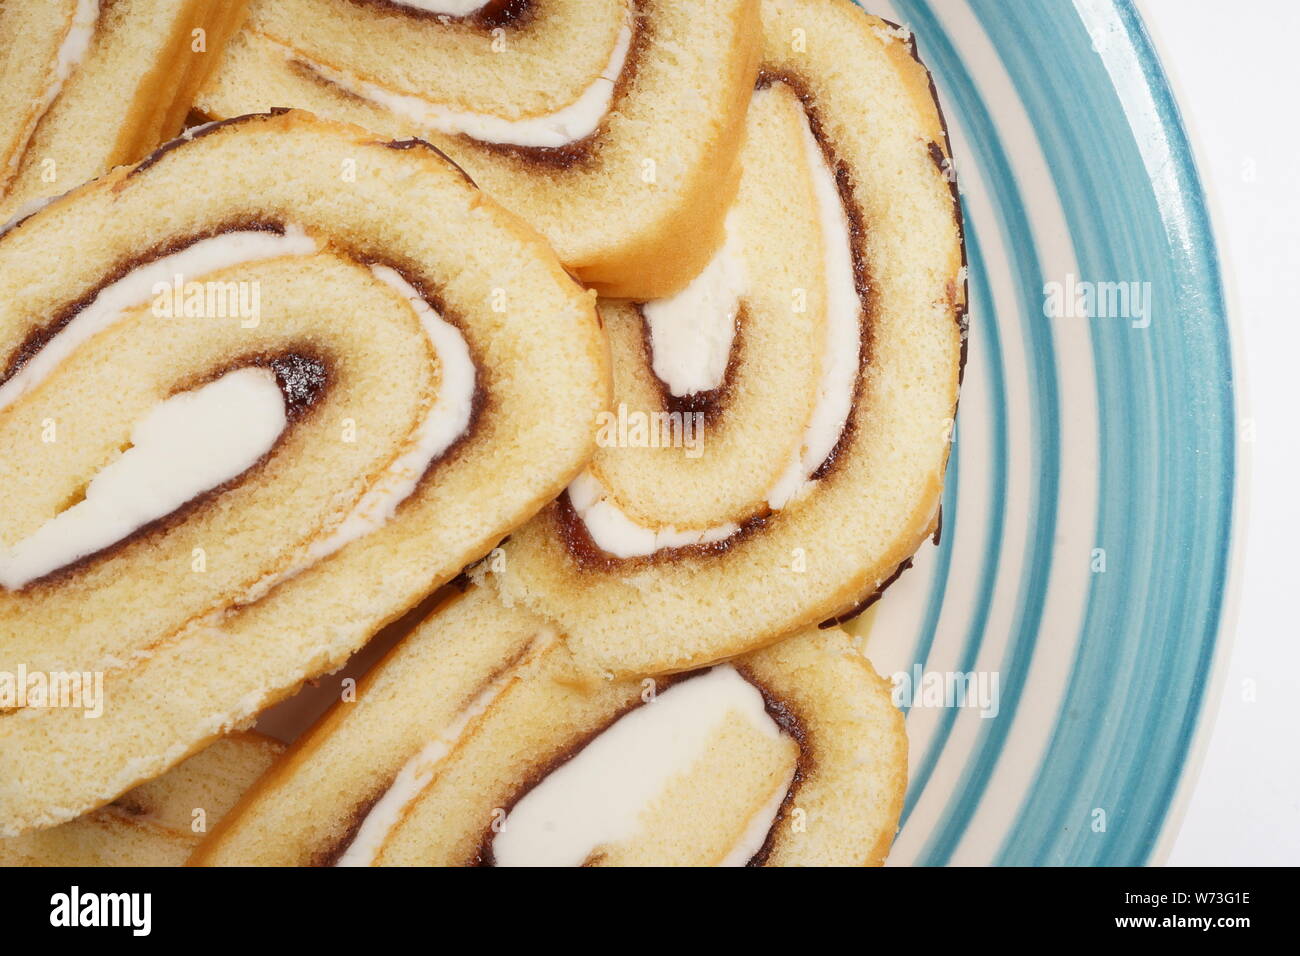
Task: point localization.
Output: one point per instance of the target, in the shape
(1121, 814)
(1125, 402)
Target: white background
(1235, 68)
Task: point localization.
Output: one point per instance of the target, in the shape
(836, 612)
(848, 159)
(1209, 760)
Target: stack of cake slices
(602, 358)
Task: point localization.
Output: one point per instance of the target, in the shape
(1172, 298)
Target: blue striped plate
(1082, 580)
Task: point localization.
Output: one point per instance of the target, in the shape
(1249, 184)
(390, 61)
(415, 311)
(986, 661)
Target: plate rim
(1226, 636)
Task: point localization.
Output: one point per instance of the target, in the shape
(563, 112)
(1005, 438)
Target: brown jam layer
(301, 379)
(941, 156)
(332, 852)
(784, 715)
(585, 151)
(960, 298)
(190, 136)
(844, 183)
(301, 375)
(871, 598)
(417, 143)
(16, 221)
(426, 289)
(787, 717)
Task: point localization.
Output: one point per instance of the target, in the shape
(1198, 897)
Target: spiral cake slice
(781, 428)
(335, 375)
(158, 823)
(91, 84)
(794, 755)
(610, 125)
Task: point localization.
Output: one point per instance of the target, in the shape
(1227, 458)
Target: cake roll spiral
(610, 125)
(781, 427)
(794, 755)
(91, 84)
(334, 375)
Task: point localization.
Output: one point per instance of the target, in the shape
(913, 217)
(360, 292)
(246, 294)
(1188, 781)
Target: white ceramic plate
(1087, 550)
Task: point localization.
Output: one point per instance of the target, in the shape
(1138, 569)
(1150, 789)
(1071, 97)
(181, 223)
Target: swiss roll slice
(780, 430)
(259, 394)
(610, 125)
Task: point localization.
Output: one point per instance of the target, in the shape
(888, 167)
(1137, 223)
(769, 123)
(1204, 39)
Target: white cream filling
(73, 49)
(692, 332)
(76, 44)
(610, 528)
(569, 124)
(184, 446)
(446, 421)
(448, 8)
(599, 797)
(615, 533)
(138, 286)
(842, 353)
(418, 771)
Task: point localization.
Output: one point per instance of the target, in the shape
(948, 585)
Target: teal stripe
(962, 98)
